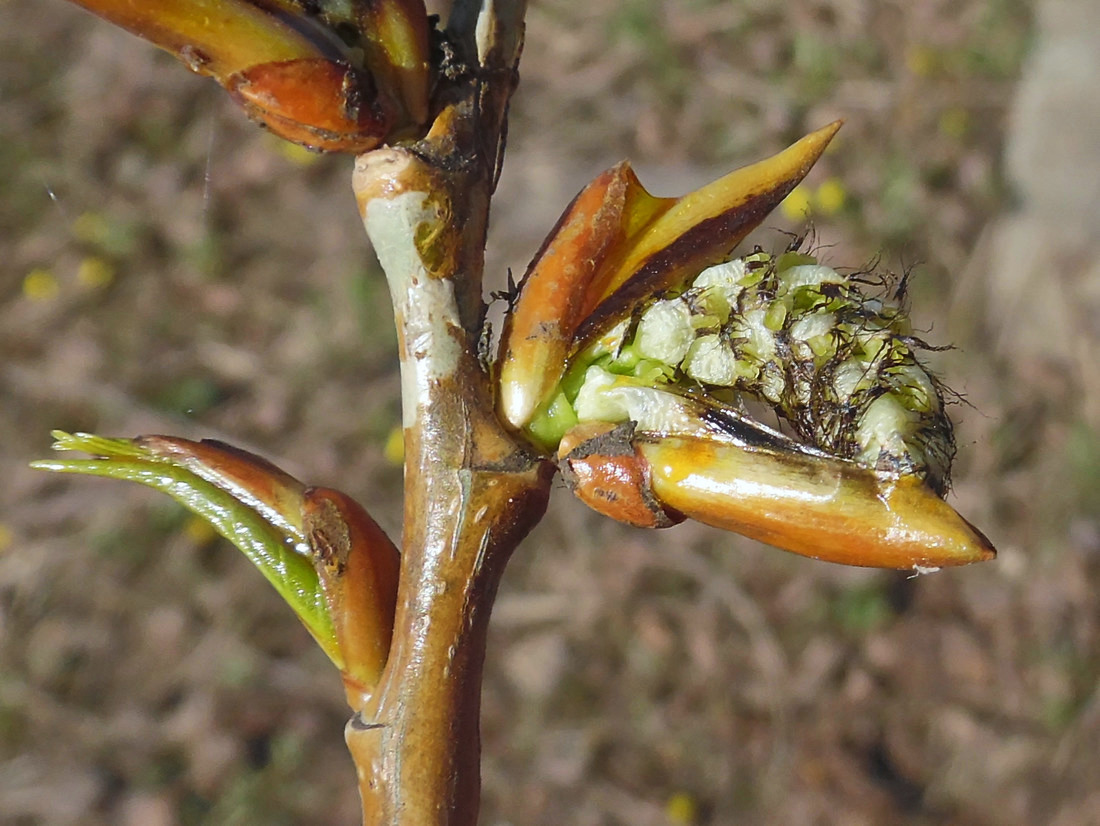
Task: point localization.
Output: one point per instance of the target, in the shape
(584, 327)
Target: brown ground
(149, 676)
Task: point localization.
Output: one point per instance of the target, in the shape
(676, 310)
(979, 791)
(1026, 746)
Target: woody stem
(471, 491)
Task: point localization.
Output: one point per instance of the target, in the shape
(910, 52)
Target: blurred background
(166, 267)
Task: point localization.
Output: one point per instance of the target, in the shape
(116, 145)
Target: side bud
(396, 42)
(320, 549)
(332, 76)
(358, 567)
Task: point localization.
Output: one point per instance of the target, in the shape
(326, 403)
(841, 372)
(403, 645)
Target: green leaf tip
(246, 499)
(99, 446)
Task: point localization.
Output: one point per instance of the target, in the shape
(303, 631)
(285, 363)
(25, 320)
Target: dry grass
(148, 676)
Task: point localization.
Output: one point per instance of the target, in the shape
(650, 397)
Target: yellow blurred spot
(297, 155)
(921, 60)
(91, 227)
(6, 537)
(796, 206)
(681, 808)
(199, 531)
(954, 122)
(830, 196)
(394, 449)
(40, 285)
(95, 273)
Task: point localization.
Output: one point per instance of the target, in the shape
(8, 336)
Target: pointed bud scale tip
(688, 234)
(823, 508)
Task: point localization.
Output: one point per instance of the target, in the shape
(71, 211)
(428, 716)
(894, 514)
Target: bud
(332, 76)
(358, 567)
(320, 550)
(316, 103)
(635, 339)
(396, 44)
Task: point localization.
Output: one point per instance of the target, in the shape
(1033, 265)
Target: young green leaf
(249, 501)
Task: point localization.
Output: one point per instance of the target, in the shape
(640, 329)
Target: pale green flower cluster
(833, 360)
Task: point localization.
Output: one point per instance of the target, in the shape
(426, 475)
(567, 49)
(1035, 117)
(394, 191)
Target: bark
(472, 491)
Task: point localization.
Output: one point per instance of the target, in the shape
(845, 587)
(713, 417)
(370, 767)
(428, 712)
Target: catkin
(833, 359)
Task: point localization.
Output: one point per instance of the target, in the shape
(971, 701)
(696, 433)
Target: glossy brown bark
(472, 491)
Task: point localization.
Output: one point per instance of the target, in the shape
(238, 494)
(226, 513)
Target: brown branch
(471, 491)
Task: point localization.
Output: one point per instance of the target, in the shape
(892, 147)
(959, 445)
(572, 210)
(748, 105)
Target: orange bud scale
(816, 506)
(316, 102)
(682, 236)
(539, 333)
(358, 567)
(603, 470)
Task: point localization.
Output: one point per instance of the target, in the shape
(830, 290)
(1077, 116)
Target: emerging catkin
(834, 360)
